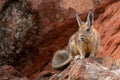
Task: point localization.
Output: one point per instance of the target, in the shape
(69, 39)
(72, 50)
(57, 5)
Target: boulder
(90, 69)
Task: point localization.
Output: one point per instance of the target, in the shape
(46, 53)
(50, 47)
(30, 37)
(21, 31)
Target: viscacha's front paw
(77, 57)
(82, 57)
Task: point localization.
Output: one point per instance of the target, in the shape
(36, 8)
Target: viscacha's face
(85, 32)
(85, 29)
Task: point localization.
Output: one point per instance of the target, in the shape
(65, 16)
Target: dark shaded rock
(9, 73)
(2, 3)
(15, 20)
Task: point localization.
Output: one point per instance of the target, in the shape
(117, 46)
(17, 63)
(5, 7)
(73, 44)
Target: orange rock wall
(108, 24)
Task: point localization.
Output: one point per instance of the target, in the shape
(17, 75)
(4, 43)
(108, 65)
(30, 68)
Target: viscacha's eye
(88, 30)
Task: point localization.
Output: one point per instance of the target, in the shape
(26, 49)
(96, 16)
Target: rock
(9, 73)
(2, 3)
(24, 78)
(11, 70)
(109, 27)
(89, 69)
(1, 72)
(15, 20)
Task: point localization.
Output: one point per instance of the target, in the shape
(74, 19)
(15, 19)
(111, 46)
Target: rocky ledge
(90, 69)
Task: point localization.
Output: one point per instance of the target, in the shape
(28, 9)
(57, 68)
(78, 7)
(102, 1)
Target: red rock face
(8, 72)
(109, 27)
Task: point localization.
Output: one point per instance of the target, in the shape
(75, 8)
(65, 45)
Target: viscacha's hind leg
(92, 54)
(82, 55)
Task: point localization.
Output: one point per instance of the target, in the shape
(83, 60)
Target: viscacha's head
(85, 28)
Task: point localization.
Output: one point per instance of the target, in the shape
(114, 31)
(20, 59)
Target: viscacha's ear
(90, 19)
(79, 21)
